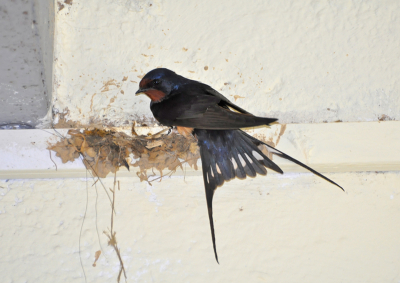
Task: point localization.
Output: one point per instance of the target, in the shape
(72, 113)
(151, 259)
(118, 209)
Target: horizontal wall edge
(326, 147)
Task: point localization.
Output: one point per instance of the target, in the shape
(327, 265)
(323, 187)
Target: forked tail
(227, 154)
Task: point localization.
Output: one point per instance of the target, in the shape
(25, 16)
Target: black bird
(226, 151)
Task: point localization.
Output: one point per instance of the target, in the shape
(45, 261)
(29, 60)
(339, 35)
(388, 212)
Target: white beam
(328, 147)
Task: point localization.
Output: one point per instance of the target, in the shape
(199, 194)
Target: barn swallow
(226, 151)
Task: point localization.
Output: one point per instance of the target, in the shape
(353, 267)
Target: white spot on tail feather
(219, 171)
(248, 158)
(207, 179)
(212, 173)
(242, 160)
(257, 155)
(234, 163)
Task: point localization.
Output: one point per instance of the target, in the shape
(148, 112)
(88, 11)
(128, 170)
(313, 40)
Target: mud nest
(105, 151)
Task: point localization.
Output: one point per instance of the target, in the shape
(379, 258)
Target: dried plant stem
(172, 171)
(80, 232)
(97, 228)
(112, 240)
(52, 160)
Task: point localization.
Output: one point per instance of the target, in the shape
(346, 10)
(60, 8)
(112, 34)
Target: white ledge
(328, 147)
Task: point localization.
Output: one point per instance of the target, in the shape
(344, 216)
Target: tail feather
(255, 150)
(209, 185)
(229, 154)
(239, 171)
(227, 168)
(248, 168)
(225, 155)
(211, 169)
(248, 153)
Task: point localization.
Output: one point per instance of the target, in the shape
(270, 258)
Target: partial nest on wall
(105, 151)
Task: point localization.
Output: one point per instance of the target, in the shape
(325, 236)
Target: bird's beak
(140, 91)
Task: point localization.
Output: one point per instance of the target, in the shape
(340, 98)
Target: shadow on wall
(23, 94)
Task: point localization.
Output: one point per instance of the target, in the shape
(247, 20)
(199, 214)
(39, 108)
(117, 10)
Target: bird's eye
(156, 82)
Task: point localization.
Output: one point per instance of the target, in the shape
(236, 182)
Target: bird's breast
(163, 114)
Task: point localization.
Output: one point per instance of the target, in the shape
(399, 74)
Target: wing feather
(203, 112)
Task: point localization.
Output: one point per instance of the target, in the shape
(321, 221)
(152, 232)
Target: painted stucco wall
(290, 228)
(299, 61)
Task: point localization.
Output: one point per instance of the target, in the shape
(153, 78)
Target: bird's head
(159, 83)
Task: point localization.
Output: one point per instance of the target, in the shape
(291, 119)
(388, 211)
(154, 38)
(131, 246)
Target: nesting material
(104, 151)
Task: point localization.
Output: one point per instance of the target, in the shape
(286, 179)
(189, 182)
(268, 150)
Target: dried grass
(105, 151)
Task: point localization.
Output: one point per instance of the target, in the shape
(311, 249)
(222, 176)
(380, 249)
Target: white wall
(287, 59)
(291, 228)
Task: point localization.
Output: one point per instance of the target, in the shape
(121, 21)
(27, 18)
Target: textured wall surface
(44, 12)
(290, 228)
(301, 62)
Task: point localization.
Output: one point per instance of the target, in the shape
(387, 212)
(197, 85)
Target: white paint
(287, 229)
(297, 61)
